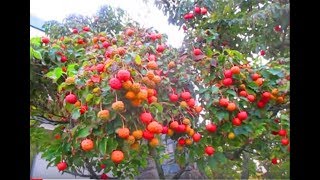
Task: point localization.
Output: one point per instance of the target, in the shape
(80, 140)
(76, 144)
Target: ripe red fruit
(266, 96)
(100, 67)
(209, 150)
(75, 31)
(45, 40)
(261, 104)
(236, 121)
(152, 57)
(147, 135)
(262, 52)
(242, 115)
(197, 10)
(285, 141)
(57, 136)
(106, 44)
(63, 59)
(255, 76)
(211, 127)
(87, 144)
(191, 102)
(62, 166)
(223, 102)
(243, 93)
(181, 128)
(173, 97)
(164, 130)
(188, 16)
(104, 176)
(185, 95)
(274, 161)
(115, 83)
(197, 52)
(86, 28)
(274, 132)
(129, 32)
(204, 10)
(282, 132)
(251, 98)
(196, 137)
(83, 109)
(102, 166)
(235, 70)
(71, 98)
(123, 75)
(227, 81)
(227, 73)
(181, 141)
(160, 48)
(146, 117)
(277, 28)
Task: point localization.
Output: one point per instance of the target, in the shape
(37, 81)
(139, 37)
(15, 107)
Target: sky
(146, 14)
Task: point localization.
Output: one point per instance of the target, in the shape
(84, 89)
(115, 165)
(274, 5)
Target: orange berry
(136, 102)
(188, 141)
(274, 92)
(121, 51)
(127, 85)
(130, 139)
(135, 146)
(95, 40)
(130, 95)
(87, 144)
(77, 104)
(69, 80)
(171, 65)
(156, 79)
(150, 92)
(154, 142)
(135, 87)
(137, 134)
(259, 81)
(102, 39)
(104, 114)
(174, 124)
(154, 127)
(183, 104)
(150, 75)
(280, 99)
(188, 128)
(242, 87)
(186, 121)
(198, 109)
(117, 156)
(143, 94)
(152, 65)
(170, 132)
(118, 106)
(123, 133)
(235, 70)
(191, 132)
(231, 106)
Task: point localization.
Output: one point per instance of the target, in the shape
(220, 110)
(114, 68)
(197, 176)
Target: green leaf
(214, 89)
(221, 157)
(36, 41)
(112, 144)
(244, 129)
(212, 162)
(222, 115)
(159, 107)
(232, 92)
(103, 146)
(138, 60)
(277, 72)
(75, 113)
(36, 54)
(84, 132)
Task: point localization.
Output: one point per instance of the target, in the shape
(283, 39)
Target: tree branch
(77, 174)
(47, 121)
(90, 169)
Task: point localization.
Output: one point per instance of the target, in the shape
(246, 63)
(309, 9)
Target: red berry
(147, 135)
(86, 28)
(197, 52)
(185, 95)
(261, 104)
(104, 176)
(173, 97)
(204, 10)
(152, 57)
(243, 93)
(235, 70)
(274, 161)
(115, 83)
(197, 10)
(71, 98)
(266, 96)
(223, 102)
(277, 28)
(164, 130)
(242, 115)
(211, 127)
(75, 31)
(181, 141)
(160, 48)
(196, 137)
(62, 166)
(251, 98)
(146, 117)
(262, 52)
(227, 81)
(106, 44)
(274, 132)
(102, 166)
(63, 59)
(123, 75)
(181, 128)
(45, 40)
(236, 121)
(255, 76)
(83, 109)
(285, 141)
(227, 73)
(209, 150)
(282, 132)
(191, 102)
(100, 68)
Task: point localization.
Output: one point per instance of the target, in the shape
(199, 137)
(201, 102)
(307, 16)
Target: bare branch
(46, 121)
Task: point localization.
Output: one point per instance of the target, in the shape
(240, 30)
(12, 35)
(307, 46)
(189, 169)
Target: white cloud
(147, 15)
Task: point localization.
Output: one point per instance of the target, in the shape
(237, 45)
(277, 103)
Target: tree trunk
(245, 166)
